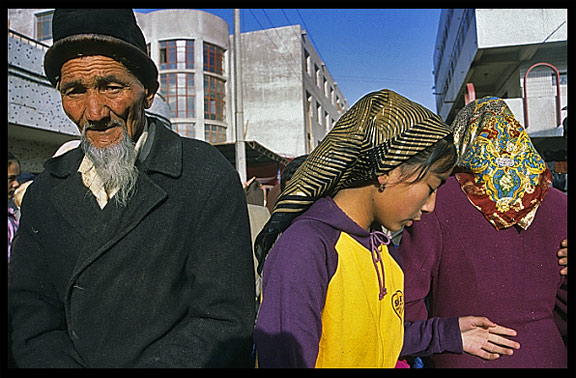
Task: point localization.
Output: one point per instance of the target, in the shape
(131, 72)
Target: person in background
(333, 288)
(19, 195)
(134, 249)
(490, 246)
(254, 192)
(24, 180)
(290, 169)
(285, 176)
(272, 197)
(13, 173)
(259, 215)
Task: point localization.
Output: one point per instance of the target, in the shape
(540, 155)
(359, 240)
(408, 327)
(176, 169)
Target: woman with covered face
(490, 246)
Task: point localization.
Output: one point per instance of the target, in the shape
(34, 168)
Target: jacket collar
(163, 150)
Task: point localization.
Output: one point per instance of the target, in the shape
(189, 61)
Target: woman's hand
(486, 339)
(563, 257)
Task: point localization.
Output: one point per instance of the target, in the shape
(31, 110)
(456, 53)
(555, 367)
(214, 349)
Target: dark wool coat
(167, 281)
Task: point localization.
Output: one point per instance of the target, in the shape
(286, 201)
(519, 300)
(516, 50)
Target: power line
(555, 30)
(289, 64)
(286, 17)
(372, 78)
(291, 25)
(310, 35)
(278, 34)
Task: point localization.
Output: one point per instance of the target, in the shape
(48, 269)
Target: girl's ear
(383, 180)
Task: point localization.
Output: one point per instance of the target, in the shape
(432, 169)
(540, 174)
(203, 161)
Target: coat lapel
(117, 222)
(73, 200)
(70, 197)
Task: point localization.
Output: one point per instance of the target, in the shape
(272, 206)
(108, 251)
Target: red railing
(558, 102)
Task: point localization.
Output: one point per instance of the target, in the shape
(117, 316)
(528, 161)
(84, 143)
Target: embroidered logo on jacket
(398, 303)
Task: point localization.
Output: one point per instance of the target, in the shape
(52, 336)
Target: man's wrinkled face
(107, 103)
(102, 96)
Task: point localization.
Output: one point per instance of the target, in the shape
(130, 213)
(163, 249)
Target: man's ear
(149, 99)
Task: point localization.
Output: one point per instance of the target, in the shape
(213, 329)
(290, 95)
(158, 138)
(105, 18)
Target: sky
(364, 49)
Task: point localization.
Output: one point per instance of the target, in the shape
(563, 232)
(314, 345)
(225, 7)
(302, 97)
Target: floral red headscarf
(505, 177)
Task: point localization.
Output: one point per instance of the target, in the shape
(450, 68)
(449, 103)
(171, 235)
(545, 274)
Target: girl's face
(401, 203)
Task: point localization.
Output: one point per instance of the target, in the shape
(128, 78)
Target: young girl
(333, 292)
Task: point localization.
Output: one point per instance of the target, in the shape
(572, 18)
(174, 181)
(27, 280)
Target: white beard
(114, 165)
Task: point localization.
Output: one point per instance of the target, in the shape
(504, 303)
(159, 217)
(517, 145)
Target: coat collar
(163, 150)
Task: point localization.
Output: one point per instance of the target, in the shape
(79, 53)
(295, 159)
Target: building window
(214, 94)
(177, 54)
(563, 78)
(185, 129)
(309, 113)
(214, 133)
(178, 90)
(189, 54)
(44, 26)
(213, 59)
(340, 105)
(167, 55)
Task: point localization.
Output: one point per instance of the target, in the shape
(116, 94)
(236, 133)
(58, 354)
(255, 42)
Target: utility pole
(239, 105)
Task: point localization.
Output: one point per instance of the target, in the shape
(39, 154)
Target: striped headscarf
(505, 177)
(381, 131)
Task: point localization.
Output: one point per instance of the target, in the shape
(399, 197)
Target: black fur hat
(109, 32)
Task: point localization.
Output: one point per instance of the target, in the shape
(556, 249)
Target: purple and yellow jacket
(333, 296)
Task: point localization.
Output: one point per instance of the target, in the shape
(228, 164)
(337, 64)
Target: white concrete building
(519, 55)
(290, 100)
(190, 49)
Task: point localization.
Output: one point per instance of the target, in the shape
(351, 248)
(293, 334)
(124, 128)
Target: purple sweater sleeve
(435, 335)
(296, 276)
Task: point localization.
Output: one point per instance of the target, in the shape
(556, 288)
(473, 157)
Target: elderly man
(133, 250)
